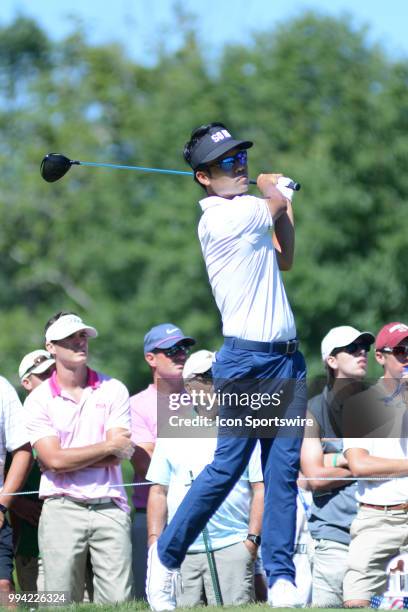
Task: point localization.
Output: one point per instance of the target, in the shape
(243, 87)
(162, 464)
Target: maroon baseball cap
(391, 335)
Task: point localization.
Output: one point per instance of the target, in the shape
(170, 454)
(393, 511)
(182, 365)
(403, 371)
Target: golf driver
(55, 165)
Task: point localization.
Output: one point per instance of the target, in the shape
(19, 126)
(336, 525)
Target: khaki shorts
(68, 530)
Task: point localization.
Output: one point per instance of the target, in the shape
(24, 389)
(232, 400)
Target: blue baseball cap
(164, 336)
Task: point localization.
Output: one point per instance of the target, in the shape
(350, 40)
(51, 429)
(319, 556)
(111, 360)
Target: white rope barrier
(302, 478)
(115, 484)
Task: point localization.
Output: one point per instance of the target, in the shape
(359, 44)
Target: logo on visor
(221, 135)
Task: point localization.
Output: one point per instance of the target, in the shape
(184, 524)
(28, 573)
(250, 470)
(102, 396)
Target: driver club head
(54, 166)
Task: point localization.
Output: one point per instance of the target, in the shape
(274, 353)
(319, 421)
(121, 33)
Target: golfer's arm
(156, 512)
(257, 506)
(284, 238)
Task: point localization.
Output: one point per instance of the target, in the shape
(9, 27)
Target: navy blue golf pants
(280, 462)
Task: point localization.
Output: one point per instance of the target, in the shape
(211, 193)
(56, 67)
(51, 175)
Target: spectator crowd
(76, 426)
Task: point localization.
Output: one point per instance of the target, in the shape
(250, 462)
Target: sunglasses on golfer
(352, 348)
(177, 349)
(401, 350)
(227, 164)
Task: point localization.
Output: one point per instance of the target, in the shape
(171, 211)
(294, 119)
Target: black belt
(284, 348)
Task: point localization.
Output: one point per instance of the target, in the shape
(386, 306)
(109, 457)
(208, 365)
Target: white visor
(66, 326)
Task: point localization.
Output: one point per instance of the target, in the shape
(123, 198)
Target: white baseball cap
(342, 336)
(198, 363)
(35, 362)
(65, 326)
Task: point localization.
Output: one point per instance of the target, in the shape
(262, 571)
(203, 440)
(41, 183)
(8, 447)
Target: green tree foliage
(120, 248)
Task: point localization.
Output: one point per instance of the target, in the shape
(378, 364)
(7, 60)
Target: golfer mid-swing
(243, 262)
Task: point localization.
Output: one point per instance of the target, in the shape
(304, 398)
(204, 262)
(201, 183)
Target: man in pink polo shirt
(79, 424)
(166, 349)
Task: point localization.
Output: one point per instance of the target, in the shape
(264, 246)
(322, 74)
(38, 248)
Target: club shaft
(292, 184)
(123, 167)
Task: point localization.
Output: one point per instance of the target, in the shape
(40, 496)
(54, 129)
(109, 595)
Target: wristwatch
(255, 539)
(3, 509)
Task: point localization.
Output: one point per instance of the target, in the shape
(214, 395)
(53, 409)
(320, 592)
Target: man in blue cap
(166, 350)
(245, 241)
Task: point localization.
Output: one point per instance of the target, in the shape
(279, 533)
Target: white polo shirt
(382, 492)
(13, 434)
(236, 242)
(172, 461)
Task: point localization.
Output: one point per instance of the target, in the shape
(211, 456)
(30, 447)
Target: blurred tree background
(120, 248)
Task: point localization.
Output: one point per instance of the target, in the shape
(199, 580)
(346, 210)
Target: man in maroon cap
(380, 527)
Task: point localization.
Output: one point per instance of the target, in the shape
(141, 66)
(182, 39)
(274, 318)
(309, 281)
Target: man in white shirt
(380, 527)
(260, 353)
(233, 532)
(35, 367)
(14, 439)
(344, 353)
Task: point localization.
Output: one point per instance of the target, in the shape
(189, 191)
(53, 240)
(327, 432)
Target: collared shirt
(143, 409)
(242, 267)
(381, 402)
(51, 411)
(172, 461)
(13, 434)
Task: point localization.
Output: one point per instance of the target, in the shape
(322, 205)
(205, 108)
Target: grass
(140, 605)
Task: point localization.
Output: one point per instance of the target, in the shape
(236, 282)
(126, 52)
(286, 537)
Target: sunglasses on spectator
(177, 349)
(205, 376)
(352, 348)
(228, 163)
(36, 363)
(401, 350)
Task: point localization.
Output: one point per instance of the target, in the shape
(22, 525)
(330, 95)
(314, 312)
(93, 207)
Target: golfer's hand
(267, 184)
(2, 519)
(252, 548)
